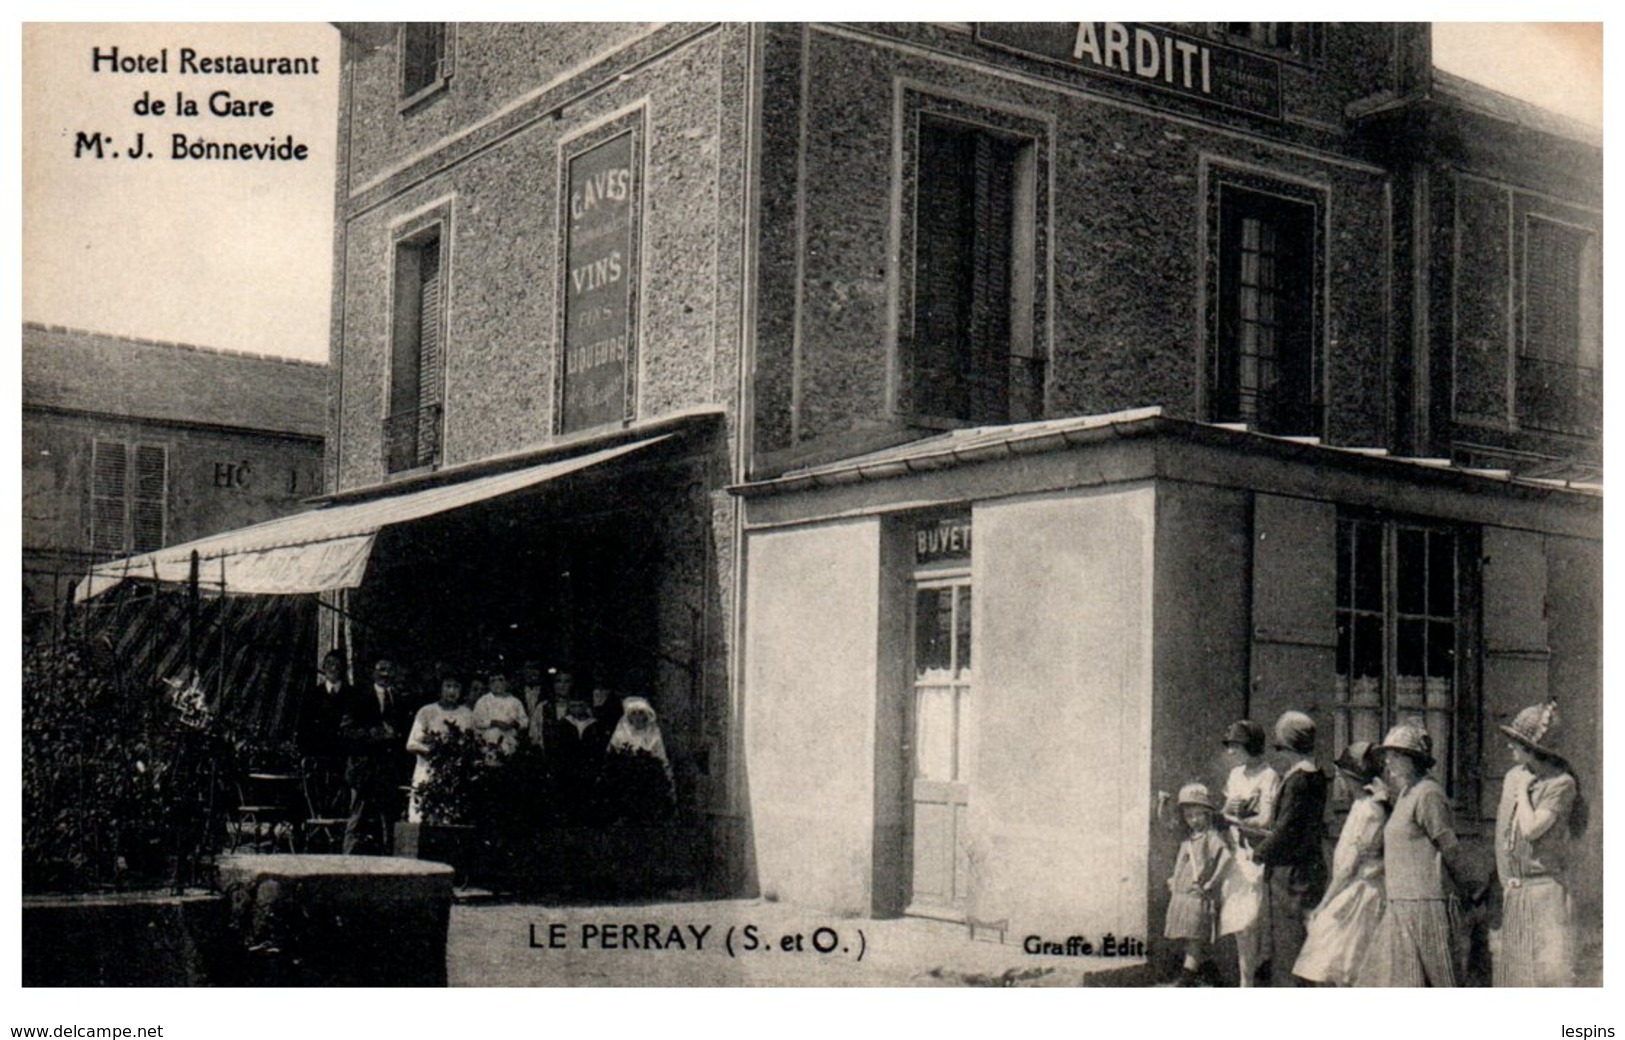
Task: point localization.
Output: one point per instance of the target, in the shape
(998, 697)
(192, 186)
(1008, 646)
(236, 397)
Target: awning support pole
(191, 614)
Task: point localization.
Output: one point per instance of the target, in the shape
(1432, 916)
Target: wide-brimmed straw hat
(1535, 727)
(1197, 794)
(1412, 740)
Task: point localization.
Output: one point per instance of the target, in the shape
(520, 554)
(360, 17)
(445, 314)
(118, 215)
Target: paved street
(530, 945)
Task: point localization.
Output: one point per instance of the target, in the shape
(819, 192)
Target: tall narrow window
(128, 510)
(424, 57)
(412, 430)
(972, 358)
(1264, 370)
(1399, 606)
(1559, 368)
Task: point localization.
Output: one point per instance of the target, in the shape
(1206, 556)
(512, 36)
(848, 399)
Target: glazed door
(939, 743)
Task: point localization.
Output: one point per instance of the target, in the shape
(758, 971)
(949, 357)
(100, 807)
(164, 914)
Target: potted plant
(452, 802)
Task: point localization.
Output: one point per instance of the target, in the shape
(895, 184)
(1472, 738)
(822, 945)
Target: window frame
(1222, 182)
(1032, 134)
(128, 498)
(1458, 765)
(411, 94)
(412, 235)
(1587, 345)
(1307, 46)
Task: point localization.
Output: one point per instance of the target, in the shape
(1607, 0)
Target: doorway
(938, 745)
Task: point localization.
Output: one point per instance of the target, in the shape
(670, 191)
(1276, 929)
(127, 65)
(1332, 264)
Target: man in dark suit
(373, 730)
(322, 710)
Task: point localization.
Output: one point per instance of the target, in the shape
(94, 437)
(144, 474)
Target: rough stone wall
(504, 247)
(1481, 281)
(1123, 231)
(494, 65)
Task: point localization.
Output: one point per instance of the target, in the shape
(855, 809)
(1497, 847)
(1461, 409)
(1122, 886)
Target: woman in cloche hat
(1416, 943)
(1193, 889)
(1340, 928)
(1539, 799)
(1249, 802)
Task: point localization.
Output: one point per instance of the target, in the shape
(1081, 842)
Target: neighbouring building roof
(79, 371)
(1454, 91)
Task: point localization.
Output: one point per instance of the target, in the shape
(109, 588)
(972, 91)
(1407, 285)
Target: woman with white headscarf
(636, 783)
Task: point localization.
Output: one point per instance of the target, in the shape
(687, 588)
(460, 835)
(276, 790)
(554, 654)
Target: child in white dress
(1194, 887)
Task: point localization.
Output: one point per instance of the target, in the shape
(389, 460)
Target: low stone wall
(128, 939)
(338, 920)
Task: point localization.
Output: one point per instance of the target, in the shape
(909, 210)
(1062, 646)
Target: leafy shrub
(117, 791)
(458, 788)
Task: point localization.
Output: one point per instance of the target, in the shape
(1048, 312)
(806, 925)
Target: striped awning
(322, 549)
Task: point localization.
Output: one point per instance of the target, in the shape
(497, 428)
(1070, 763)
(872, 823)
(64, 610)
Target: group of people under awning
(1390, 910)
(589, 759)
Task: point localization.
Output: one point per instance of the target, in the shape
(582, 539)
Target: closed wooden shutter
(964, 227)
(942, 271)
(147, 507)
(430, 363)
(1517, 646)
(990, 289)
(1294, 649)
(1552, 292)
(108, 480)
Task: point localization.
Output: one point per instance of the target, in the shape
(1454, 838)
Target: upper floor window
(425, 58)
(1264, 362)
(973, 358)
(412, 427)
(128, 491)
(1559, 377)
(1305, 40)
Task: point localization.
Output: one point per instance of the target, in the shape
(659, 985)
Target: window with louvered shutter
(417, 370)
(109, 479)
(1557, 389)
(964, 226)
(147, 504)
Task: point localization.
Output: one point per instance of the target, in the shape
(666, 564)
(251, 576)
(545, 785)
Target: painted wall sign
(598, 284)
(942, 540)
(1151, 56)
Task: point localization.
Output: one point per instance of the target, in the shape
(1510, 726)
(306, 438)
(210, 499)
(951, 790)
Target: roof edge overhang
(992, 444)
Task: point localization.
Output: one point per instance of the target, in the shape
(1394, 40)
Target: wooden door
(940, 735)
